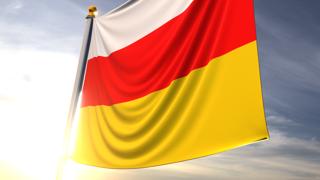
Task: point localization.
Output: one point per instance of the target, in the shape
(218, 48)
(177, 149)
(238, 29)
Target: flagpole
(77, 88)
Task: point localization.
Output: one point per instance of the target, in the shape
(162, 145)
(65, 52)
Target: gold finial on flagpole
(92, 11)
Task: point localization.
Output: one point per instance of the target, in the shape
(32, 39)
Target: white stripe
(131, 22)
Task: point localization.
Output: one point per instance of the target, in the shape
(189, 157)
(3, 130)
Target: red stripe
(207, 29)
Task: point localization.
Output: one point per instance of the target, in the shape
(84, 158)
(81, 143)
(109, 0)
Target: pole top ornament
(92, 11)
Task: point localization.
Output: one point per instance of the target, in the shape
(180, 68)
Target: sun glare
(34, 98)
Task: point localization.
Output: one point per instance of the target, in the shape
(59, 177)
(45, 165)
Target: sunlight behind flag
(33, 116)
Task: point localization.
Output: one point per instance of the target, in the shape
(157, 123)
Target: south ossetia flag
(168, 81)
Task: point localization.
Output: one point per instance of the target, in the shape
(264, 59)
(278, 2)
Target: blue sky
(39, 46)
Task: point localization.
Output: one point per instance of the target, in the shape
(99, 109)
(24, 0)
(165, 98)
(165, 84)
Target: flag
(169, 81)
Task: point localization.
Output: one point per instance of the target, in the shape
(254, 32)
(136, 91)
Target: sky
(39, 47)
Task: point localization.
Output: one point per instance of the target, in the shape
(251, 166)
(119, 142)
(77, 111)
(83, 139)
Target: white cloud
(13, 7)
(280, 120)
(36, 85)
(23, 36)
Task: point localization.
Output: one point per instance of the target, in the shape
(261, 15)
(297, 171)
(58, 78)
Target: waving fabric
(169, 81)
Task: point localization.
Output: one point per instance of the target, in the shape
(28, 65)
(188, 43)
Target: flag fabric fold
(168, 81)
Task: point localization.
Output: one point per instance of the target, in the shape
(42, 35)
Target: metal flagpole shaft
(77, 88)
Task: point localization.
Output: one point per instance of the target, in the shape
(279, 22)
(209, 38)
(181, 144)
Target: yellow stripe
(213, 109)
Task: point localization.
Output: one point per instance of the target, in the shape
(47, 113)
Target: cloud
(281, 121)
(41, 25)
(289, 41)
(13, 7)
(20, 36)
(32, 33)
